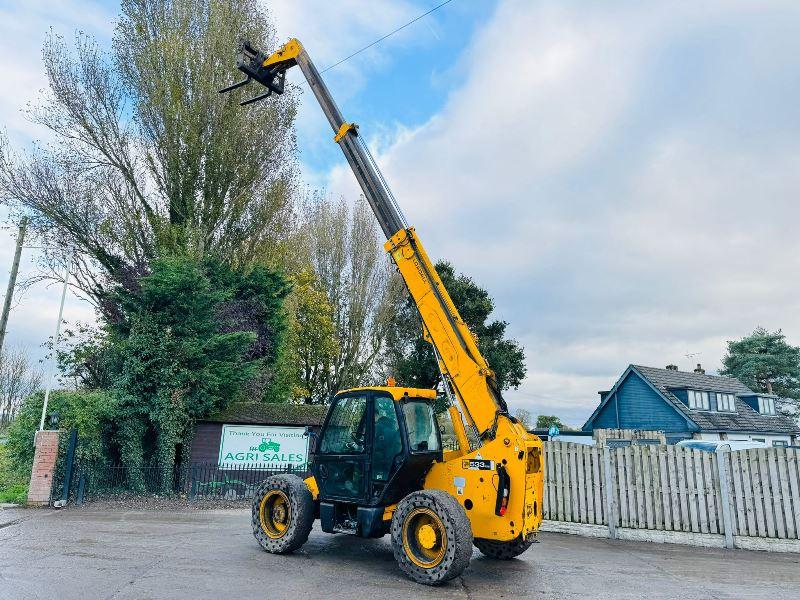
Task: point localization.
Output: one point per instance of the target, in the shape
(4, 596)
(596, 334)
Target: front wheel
(502, 550)
(283, 514)
(431, 537)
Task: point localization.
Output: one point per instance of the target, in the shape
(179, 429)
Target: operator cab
(375, 447)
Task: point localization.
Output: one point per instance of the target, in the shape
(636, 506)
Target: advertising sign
(263, 447)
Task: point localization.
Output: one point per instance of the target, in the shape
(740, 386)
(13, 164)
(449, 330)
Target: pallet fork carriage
(379, 465)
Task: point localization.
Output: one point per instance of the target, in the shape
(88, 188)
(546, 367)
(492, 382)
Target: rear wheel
(283, 514)
(431, 537)
(502, 550)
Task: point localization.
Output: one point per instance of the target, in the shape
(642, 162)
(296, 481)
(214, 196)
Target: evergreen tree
(193, 337)
(765, 363)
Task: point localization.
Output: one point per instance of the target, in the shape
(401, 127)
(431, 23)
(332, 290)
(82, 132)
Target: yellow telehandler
(379, 466)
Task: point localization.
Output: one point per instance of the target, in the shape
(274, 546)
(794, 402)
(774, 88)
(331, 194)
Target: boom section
(463, 366)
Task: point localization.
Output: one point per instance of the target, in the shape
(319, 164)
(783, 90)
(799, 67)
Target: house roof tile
(744, 419)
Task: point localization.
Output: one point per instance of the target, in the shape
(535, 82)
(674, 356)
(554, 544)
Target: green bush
(87, 410)
(13, 487)
(16, 493)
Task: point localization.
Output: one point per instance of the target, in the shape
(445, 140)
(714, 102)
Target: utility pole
(12, 281)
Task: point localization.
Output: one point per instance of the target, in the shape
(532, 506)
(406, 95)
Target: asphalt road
(101, 553)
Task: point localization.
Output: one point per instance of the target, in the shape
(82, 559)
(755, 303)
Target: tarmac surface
(109, 553)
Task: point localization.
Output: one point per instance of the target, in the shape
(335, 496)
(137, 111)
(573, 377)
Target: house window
(766, 406)
(648, 442)
(779, 443)
(698, 400)
(726, 403)
(618, 443)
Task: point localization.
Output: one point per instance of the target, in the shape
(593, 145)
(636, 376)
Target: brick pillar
(44, 464)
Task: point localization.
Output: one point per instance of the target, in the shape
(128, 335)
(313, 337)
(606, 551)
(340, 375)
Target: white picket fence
(668, 488)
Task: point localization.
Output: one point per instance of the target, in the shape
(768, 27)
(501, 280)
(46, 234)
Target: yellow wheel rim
(275, 513)
(424, 538)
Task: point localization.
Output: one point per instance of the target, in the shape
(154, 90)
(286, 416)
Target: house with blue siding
(691, 405)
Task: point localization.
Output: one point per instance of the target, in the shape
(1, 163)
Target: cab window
(346, 428)
(423, 435)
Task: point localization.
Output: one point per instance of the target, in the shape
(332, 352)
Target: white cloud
(331, 31)
(35, 309)
(622, 177)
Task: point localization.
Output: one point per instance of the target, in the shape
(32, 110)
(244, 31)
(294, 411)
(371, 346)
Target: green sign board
(263, 446)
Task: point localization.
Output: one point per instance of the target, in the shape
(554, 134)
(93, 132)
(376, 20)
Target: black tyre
(431, 537)
(283, 514)
(502, 550)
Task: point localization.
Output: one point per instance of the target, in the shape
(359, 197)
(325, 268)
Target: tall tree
(410, 359)
(148, 160)
(765, 362)
(314, 344)
(342, 247)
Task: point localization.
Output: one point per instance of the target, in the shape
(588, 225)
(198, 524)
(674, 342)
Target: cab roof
(396, 392)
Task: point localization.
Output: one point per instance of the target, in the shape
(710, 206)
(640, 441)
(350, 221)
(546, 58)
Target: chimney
(672, 367)
(700, 370)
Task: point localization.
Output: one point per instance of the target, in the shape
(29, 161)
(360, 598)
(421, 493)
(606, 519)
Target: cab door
(387, 445)
(341, 464)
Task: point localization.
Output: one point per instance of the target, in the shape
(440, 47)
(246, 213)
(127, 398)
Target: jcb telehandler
(379, 466)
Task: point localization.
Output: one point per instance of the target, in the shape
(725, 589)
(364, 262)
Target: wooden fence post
(611, 512)
(725, 496)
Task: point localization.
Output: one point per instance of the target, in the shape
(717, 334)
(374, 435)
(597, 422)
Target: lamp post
(54, 359)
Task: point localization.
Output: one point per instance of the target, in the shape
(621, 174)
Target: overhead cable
(388, 35)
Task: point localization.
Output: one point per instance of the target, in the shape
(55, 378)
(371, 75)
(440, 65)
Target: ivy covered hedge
(89, 411)
(177, 344)
(189, 340)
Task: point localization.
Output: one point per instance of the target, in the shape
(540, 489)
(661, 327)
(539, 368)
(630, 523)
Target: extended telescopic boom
(470, 377)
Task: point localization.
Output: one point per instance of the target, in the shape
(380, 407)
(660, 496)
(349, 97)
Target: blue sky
(402, 82)
(622, 176)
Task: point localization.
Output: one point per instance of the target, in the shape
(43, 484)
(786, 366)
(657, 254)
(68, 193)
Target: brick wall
(44, 462)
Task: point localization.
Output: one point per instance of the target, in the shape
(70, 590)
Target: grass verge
(13, 487)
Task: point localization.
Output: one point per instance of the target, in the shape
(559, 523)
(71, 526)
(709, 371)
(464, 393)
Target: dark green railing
(195, 481)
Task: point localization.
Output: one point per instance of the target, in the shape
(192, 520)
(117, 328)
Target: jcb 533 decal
(478, 465)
